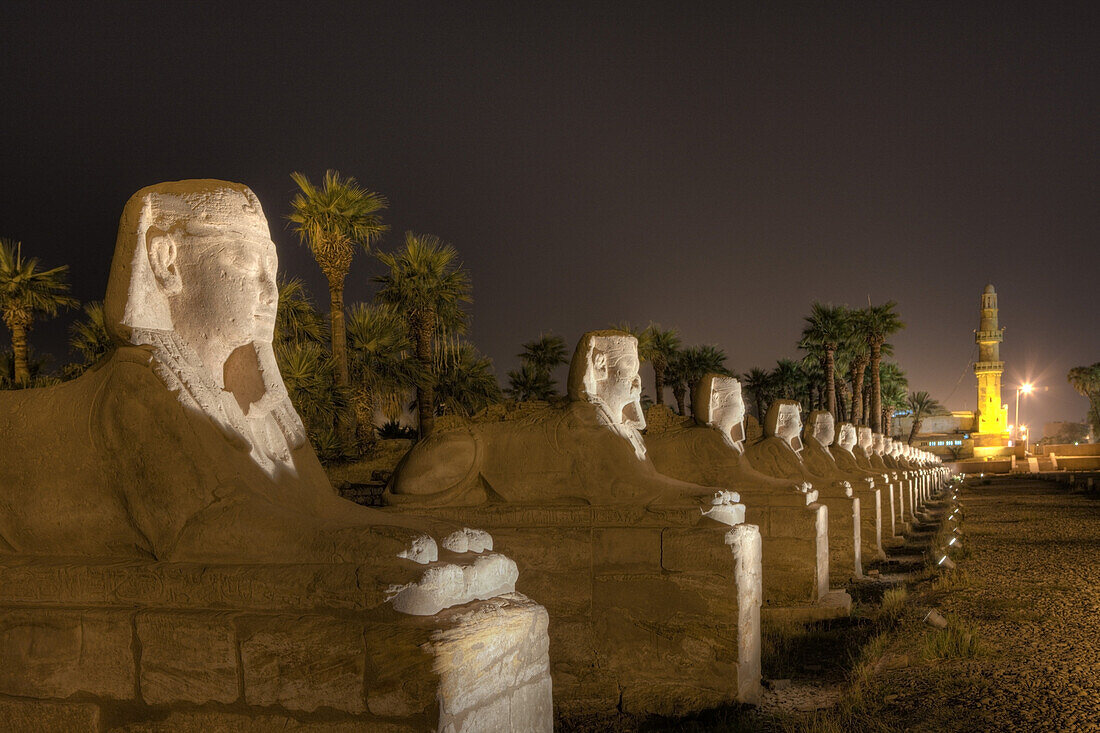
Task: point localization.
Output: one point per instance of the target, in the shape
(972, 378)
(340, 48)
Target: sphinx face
(789, 425)
(824, 430)
(228, 294)
(727, 409)
(866, 441)
(847, 437)
(623, 387)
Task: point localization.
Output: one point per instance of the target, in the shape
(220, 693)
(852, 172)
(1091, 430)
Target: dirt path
(1030, 590)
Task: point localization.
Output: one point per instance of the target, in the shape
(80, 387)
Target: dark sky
(712, 167)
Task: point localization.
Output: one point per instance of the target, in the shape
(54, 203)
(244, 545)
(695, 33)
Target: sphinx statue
(709, 449)
(878, 457)
(818, 437)
(571, 493)
(778, 454)
(181, 457)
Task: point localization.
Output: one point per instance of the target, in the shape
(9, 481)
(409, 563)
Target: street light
(1026, 389)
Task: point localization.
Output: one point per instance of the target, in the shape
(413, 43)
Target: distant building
(948, 436)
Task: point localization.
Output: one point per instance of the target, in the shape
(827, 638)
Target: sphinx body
(707, 449)
(617, 549)
(777, 454)
(175, 476)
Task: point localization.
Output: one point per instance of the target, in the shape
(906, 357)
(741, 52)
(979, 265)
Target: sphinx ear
(599, 365)
(161, 248)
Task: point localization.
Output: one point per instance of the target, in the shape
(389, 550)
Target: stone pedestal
(147, 646)
(651, 611)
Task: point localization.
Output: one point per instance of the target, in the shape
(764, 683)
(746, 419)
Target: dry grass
(957, 641)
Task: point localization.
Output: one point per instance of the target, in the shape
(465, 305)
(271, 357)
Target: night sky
(714, 168)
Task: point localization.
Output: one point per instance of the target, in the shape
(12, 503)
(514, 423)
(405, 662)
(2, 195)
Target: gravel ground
(1031, 595)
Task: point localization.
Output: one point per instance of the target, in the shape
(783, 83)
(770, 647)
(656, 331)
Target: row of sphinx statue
(652, 550)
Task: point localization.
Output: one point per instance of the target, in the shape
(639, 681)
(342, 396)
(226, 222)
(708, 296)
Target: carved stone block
(188, 657)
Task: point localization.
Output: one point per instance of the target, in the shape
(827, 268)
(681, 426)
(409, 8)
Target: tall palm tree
(530, 383)
(428, 286)
(877, 324)
(920, 405)
(698, 361)
(25, 293)
(660, 346)
(333, 220)
(827, 327)
(1086, 381)
(757, 382)
(297, 319)
(89, 338)
(858, 347)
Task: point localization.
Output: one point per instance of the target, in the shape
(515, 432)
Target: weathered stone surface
(58, 653)
(303, 663)
(187, 657)
(180, 721)
(48, 717)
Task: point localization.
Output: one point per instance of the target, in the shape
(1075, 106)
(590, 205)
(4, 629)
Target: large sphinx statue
(178, 465)
(650, 611)
(818, 437)
(778, 454)
(709, 449)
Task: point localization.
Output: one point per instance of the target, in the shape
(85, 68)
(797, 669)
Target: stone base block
(835, 604)
(651, 611)
(336, 661)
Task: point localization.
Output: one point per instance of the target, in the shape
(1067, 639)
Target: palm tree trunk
(830, 382)
(425, 391)
(19, 349)
(691, 391)
(659, 380)
(760, 406)
(339, 333)
(858, 370)
(876, 388)
(915, 429)
(678, 393)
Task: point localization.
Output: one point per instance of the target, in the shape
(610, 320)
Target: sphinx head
(193, 277)
(604, 371)
(866, 440)
(194, 258)
(717, 403)
(846, 436)
(878, 444)
(784, 421)
(822, 427)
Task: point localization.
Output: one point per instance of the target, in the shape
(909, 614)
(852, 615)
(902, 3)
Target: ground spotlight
(945, 563)
(933, 618)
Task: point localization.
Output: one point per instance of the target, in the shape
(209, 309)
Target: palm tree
(380, 365)
(307, 373)
(332, 220)
(427, 286)
(758, 382)
(677, 374)
(877, 324)
(697, 362)
(530, 383)
(660, 346)
(827, 327)
(465, 382)
(89, 338)
(36, 365)
(895, 393)
(26, 292)
(297, 319)
(920, 405)
(539, 359)
(787, 379)
(1086, 381)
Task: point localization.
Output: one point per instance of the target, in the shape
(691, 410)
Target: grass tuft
(957, 641)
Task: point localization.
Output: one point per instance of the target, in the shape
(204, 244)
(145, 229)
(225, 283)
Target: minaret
(992, 416)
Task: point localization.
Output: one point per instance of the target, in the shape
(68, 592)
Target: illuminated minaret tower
(992, 416)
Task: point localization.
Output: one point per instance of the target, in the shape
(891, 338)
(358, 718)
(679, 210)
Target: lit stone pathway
(1033, 598)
